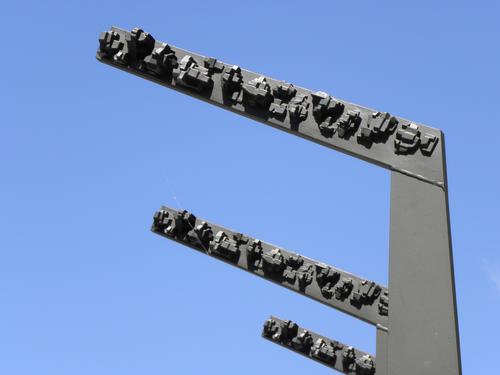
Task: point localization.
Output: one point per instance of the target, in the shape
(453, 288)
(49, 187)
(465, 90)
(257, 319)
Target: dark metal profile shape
(336, 288)
(417, 331)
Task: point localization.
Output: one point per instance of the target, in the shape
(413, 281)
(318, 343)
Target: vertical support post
(382, 338)
(423, 330)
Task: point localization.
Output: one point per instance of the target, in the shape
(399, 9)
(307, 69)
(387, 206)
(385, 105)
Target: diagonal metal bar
(331, 353)
(377, 137)
(344, 291)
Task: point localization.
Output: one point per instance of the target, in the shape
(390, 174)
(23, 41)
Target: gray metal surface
(423, 332)
(328, 352)
(336, 288)
(420, 333)
(393, 143)
(382, 348)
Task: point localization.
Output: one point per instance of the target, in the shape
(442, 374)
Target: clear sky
(88, 153)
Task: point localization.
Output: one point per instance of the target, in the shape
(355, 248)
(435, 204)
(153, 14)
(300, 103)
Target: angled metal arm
(344, 291)
(331, 353)
(377, 137)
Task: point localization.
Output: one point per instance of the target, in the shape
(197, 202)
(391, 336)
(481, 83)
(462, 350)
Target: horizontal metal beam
(377, 137)
(344, 291)
(333, 354)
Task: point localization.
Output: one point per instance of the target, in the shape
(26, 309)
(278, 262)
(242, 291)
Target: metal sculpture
(417, 331)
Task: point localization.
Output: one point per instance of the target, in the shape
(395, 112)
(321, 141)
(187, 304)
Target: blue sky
(88, 153)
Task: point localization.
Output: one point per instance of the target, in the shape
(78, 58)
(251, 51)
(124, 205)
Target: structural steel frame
(417, 332)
